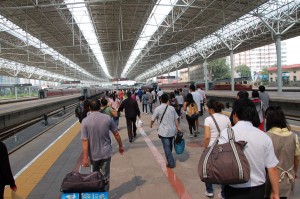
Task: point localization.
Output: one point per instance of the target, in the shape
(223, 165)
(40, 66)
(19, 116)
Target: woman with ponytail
(213, 125)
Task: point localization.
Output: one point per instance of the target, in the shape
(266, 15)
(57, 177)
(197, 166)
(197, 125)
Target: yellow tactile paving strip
(30, 177)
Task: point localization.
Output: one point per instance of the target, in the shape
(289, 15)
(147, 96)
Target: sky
(292, 45)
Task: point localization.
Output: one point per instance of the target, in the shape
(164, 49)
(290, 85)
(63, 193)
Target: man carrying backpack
(80, 113)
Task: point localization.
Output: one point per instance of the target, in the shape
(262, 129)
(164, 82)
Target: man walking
(131, 112)
(96, 142)
(167, 128)
(79, 111)
(259, 151)
(264, 97)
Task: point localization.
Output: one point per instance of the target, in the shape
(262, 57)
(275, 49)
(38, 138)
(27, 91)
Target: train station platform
(140, 173)
(21, 99)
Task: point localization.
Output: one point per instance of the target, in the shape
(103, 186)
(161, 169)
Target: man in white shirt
(159, 94)
(202, 93)
(167, 127)
(259, 152)
(197, 98)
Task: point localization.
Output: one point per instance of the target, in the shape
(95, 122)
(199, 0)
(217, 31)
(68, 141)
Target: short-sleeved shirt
(179, 99)
(106, 110)
(222, 121)
(95, 127)
(259, 151)
(167, 127)
(197, 98)
(115, 104)
(265, 98)
(159, 93)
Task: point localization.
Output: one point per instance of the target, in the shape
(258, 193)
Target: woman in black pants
(189, 104)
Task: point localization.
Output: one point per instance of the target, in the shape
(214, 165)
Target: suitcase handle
(81, 166)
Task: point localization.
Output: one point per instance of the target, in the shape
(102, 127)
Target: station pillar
(279, 64)
(231, 70)
(205, 74)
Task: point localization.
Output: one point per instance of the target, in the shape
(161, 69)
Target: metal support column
(205, 74)
(232, 70)
(189, 79)
(279, 65)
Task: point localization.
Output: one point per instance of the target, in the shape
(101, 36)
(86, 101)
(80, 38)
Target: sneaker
(195, 135)
(146, 113)
(191, 135)
(209, 194)
(220, 196)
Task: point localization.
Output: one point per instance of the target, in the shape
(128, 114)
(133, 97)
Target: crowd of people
(272, 148)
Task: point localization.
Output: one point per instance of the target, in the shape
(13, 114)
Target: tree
(243, 70)
(218, 69)
(265, 75)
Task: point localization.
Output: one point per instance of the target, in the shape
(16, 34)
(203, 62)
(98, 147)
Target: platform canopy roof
(98, 40)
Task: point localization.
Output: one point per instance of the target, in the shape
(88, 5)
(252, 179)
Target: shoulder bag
(162, 119)
(224, 163)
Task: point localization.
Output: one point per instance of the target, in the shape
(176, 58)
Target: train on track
(88, 92)
(224, 84)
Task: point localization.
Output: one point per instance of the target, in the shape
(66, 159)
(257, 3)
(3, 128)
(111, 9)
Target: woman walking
(191, 109)
(213, 125)
(145, 102)
(286, 147)
(115, 103)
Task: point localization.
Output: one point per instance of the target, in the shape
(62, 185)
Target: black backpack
(79, 111)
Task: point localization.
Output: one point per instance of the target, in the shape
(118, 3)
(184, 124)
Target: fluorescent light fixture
(81, 15)
(157, 16)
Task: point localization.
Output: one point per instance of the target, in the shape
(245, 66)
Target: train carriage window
(245, 82)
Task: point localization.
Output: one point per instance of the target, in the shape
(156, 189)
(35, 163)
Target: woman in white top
(211, 132)
(114, 102)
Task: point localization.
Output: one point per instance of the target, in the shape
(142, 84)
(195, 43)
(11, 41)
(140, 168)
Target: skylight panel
(16, 31)
(157, 16)
(30, 69)
(227, 32)
(84, 22)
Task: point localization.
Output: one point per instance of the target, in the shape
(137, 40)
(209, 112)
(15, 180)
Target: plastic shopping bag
(139, 123)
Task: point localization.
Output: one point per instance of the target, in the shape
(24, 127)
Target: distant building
(258, 58)
(290, 75)
(196, 74)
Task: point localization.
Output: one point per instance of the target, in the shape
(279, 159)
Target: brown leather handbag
(224, 163)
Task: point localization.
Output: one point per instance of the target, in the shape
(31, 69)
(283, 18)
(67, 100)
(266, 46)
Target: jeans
(104, 167)
(209, 189)
(145, 105)
(116, 120)
(150, 108)
(168, 147)
(131, 128)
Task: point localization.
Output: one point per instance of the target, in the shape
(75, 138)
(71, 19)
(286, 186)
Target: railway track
(66, 113)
